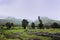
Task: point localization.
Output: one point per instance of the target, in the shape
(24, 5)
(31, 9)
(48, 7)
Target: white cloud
(29, 8)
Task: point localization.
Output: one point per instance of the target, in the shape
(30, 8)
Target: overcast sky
(30, 9)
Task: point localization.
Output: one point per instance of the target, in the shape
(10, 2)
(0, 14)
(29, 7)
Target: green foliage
(24, 23)
(26, 36)
(33, 25)
(40, 24)
(55, 25)
(9, 25)
(2, 37)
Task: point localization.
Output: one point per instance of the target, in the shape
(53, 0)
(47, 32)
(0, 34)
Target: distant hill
(14, 20)
(45, 20)
(11, 20)
(3, 21)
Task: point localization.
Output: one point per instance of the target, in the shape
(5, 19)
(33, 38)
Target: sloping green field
(25, 36)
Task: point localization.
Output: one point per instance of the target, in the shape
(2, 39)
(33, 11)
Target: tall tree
(24, 23)
(40, 23)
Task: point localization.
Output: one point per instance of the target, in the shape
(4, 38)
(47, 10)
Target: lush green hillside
(24, 34)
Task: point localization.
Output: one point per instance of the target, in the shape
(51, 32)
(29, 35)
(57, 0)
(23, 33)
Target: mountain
(2, 21)
(14, 20)
(46, 21)
(11, 20)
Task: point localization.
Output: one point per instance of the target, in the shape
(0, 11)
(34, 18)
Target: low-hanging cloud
(30, 8)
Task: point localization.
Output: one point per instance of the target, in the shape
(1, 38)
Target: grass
(25, 36)
(36, 30)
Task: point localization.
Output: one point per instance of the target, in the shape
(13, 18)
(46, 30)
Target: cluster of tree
(25, 23)
(55, 25)
(9, 25)
(40, 25)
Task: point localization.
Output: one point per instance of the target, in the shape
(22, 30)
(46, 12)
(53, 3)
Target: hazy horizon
(30, 9)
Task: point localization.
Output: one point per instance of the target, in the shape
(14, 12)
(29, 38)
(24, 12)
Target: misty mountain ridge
(45, 20)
